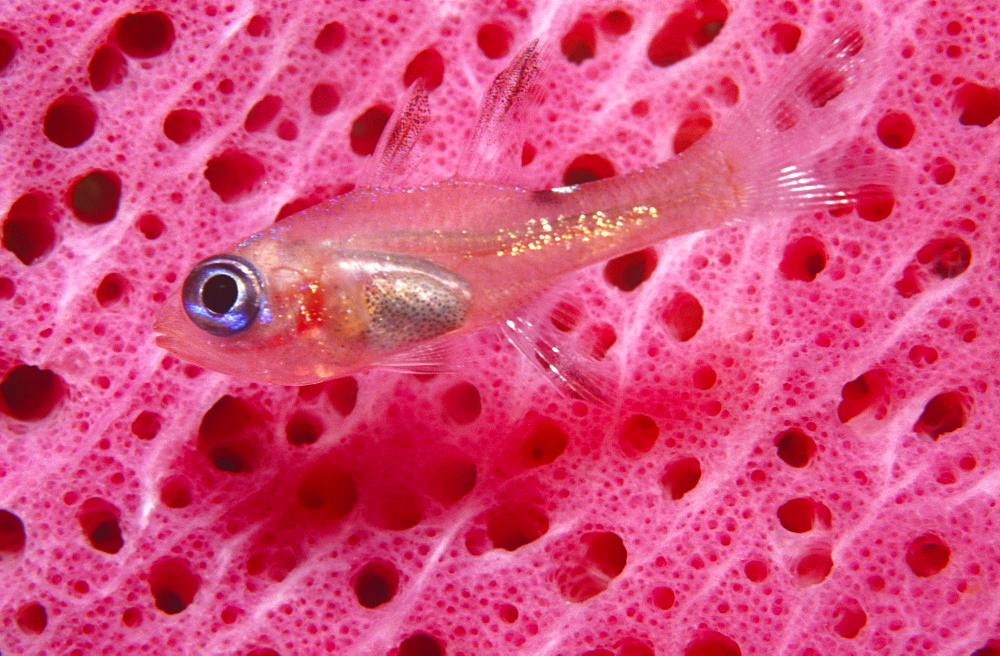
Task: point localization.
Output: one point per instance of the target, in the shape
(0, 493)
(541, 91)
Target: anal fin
(562, 351)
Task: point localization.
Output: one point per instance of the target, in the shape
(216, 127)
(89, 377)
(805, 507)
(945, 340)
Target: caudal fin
(791, 146)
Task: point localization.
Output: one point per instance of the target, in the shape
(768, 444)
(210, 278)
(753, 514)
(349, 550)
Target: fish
(374, 276)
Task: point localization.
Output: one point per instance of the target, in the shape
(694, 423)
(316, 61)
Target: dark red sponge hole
(692, 27)
(69, 121)
(943, 414)
(29, 393)
(663, 598)
(259, 26)
(330, 37)
(875, 202)
(508, 613)
(927, 555)
(144, 34)
(711, 643)
(181, 125)
(132, 617)
(634, 647)
(545, 442)
(683, 316)
(862, 393)
(638, 435)
(800, 515)
(146, 425)
(9, 46)
(32, 618)
(895, 129)
(946, 257)
(680, 477)
(511, 526)
(327, 491)
(112, 289)
(813, 568)
(616, 22)
(462, 403)
(229, 435)
(850, 618)
(12, 534)
(755, 571)
(262, 113)
(173, 585)
(704, 378)
(580, 42)
(942, 171)
(106, 68)
(691, 130)
(606, 553)
(233, 175)
(977, 105)
(367, 129)
(94, 198)
(426, 65)
(343, 394)
(590, 573)
(100, 522)
(28, 231)
(992, 648)
(587, 168)
(376, 583)
(421, 644)
(494, 40)
(803, 260)
(785, 37)
(795, 448)
(923, 355)
(303, 428)
(599, 339)
(323, 99)
(628, 271)
(175, 493)
(287, 130)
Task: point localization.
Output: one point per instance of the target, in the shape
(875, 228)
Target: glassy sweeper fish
(354, 282)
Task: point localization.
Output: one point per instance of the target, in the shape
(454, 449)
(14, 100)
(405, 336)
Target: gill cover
(409, 300)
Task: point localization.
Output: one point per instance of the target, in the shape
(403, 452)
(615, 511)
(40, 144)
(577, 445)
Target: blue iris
(223, 295)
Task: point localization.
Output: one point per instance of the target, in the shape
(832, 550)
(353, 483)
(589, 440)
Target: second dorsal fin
(495, 142)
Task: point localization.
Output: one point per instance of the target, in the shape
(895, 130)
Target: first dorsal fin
(396, 158)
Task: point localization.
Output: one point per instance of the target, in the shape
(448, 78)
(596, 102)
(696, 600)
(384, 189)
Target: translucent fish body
(354, 282)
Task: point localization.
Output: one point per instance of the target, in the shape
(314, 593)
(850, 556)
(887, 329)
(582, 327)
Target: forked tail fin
(787, 148)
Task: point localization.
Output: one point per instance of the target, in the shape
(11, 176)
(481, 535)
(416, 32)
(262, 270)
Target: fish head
(301, 312)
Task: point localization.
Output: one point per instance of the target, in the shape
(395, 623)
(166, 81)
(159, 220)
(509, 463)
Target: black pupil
(218, 294)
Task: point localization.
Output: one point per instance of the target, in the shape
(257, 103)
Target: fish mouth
(163, 341)
(173, 332)
(163, 338)
(166, 325)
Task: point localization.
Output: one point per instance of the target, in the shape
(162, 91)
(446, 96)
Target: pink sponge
(799, 457)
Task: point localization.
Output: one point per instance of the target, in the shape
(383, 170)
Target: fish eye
(223, 294)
